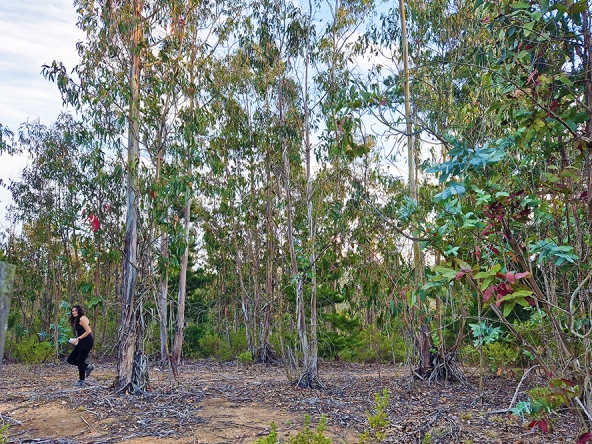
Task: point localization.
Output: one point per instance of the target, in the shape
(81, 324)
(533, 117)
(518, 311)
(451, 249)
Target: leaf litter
(211, 402)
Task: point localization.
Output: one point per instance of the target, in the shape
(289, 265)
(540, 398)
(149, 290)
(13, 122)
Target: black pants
(79, 355)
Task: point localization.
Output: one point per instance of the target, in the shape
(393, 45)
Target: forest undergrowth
(212, 402)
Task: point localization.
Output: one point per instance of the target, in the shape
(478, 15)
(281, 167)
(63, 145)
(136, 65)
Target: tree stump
(6, 284)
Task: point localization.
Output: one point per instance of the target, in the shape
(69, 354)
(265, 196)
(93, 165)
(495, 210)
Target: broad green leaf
(563, 79)
(522, 293)
(544, 6)
(486, 283)
(431, 284)
(508, 307)
(579, 7)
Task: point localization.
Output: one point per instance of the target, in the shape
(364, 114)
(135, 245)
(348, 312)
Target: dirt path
(222, 403)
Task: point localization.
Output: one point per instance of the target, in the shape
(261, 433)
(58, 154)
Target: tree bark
(162, 302)
(129, 375)
(180, 325)
(6, 285)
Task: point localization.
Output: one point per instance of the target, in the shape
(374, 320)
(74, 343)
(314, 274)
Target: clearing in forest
(225, 403)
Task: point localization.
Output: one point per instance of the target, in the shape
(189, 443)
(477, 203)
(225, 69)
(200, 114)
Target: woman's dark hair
(80, 314)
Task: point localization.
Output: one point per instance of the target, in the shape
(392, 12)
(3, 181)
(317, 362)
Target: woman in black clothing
(83, 342)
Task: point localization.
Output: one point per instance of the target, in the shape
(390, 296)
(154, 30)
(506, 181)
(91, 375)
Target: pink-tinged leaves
(488, 230)
(503, 289)
(461, 273)
(526, 274)
(542, 423)
(586, 437)
(567, 382)
(523, 215)
(510, 277)
(478, 252)
(530, 301)
(95, 223)
(488, 293)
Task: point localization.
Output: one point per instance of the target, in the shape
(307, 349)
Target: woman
(83, 342)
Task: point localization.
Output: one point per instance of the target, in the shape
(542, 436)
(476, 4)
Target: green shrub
(372, 345)
(340, 335)
(378, 422)
(309, 436)
(500, 354)
(3, 430)
(269, 439)
(537, 331)
(212, 346)
(238, 341)
(245, 357)
(545, 400)
(305, 436)
(30, 351)
(469, 355)
(192, 336)
(495, 355)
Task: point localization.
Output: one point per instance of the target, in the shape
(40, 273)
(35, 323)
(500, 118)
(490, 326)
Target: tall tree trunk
(265, 353)
(309, 377)
(245, 306)
(6, 286)
(131, 374)
(162, 301)
(423, 339)
(180, 325)
(586, 382)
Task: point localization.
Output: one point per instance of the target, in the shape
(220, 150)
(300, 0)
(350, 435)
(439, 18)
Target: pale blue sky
(32, 33)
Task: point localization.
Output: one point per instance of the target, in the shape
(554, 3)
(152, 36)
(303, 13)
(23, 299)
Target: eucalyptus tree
(5, 139)
(52, 196)
(204, 31)
(245, 164)
(119, 37)
(421, 101)
(525, 195)
(131, 81)
(309, 67)
(48, 196)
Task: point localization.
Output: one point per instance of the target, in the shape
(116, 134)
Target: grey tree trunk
(180, 325)
(162, 303)
(423, 338)
(131, 373)
(6, 286)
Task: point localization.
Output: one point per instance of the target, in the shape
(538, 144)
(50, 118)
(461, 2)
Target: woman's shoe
(89, 369)
(80, 383)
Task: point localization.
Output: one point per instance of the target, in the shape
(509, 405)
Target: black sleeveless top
(79, 329)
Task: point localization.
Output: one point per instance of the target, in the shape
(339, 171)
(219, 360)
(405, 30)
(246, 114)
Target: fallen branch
(509, 409)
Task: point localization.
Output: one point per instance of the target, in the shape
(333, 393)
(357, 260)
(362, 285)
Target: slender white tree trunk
(127, 372)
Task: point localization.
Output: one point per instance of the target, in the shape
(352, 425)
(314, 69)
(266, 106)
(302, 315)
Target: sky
(32, 33)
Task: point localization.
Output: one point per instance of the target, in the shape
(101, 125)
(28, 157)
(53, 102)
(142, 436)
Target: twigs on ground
(509, 409)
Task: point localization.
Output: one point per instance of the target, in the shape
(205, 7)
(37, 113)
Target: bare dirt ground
(225, 403)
